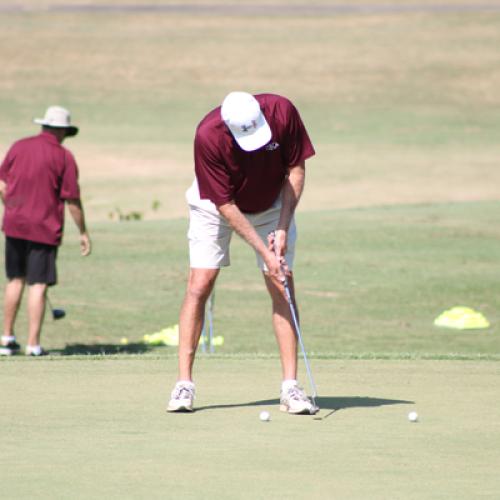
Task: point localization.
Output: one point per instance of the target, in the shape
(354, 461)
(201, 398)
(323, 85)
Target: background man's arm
(240, 224)
(3, 189)
(76, 210)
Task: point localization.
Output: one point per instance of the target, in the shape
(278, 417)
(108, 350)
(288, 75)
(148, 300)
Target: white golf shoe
(295, 401)
(182, 397)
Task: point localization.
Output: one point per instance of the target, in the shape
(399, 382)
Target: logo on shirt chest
(272, 146)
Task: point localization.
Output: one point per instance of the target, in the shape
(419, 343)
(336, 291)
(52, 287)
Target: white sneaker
(182, 397)
(35, 350)
(10, 347)
(295, 401)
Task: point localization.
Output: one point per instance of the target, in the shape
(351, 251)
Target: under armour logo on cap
(246, 128)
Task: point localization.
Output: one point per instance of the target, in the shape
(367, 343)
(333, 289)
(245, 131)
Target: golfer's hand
(277, 244)
(274, 267)
(85, 245)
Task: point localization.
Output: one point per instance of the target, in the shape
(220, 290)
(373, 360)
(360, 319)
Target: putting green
(403, 111)
(97, 428)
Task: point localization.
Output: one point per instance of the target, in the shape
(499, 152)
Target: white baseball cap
(57, 117)
(241, 113)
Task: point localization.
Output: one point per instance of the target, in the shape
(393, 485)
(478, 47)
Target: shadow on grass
(331, 404)
(102, 349)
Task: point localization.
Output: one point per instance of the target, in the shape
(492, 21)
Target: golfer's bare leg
(199, 287)
(283, 326)
(36, 311)
(13, 293)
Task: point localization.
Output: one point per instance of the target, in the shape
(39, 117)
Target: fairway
(398, 222)
(82, 419)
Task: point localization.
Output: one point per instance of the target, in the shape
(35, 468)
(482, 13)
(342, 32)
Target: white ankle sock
(8, 338)
(187, 383)
(286, 384)
(34, 349)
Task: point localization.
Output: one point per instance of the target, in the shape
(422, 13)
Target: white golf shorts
(210, 234)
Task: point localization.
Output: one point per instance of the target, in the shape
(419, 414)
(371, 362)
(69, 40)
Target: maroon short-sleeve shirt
(253, 180)
(40, 175)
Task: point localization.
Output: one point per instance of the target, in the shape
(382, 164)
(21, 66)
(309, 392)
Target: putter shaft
(295, 319)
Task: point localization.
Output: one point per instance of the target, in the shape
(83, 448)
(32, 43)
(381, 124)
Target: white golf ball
(413, 416)
(265, 416)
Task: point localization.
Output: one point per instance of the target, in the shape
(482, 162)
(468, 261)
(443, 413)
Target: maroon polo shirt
(40, 175)
(253, 180)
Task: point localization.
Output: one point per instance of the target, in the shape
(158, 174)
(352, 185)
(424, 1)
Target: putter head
(314, 409)
(58, 313)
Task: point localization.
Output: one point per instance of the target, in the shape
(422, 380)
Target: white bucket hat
(241, 113)
(57, 117)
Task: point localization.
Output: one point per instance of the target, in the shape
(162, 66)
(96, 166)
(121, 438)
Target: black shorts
(35, 262)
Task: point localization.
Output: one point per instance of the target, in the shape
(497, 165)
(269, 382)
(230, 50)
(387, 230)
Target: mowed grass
(98, 429)
(399, 221)
(400, 106)
(370, 282)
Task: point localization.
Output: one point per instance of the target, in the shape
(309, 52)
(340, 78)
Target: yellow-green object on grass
(462, 318)
(168, 336)
(217, 341)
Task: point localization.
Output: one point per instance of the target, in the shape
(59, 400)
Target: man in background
(250, 168)
(37, 178)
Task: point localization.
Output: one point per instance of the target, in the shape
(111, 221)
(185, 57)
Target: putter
(298, 333)
(56, 313)
(314, 392)
(210, 316)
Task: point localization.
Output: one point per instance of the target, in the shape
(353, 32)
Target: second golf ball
(265, 416)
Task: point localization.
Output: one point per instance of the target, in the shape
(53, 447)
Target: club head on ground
(314, 410)
(58, 313)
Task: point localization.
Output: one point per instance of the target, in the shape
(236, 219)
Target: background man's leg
(13, 293)
(36, 311)
(199, 287)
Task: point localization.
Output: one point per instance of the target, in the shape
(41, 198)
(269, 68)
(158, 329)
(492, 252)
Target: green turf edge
(398, 356)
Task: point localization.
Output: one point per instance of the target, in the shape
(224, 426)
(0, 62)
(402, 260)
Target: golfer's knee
(199, 291)
(15, 283)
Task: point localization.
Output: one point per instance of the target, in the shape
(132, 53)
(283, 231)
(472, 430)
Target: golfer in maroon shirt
(37, 177)
(250, 167)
